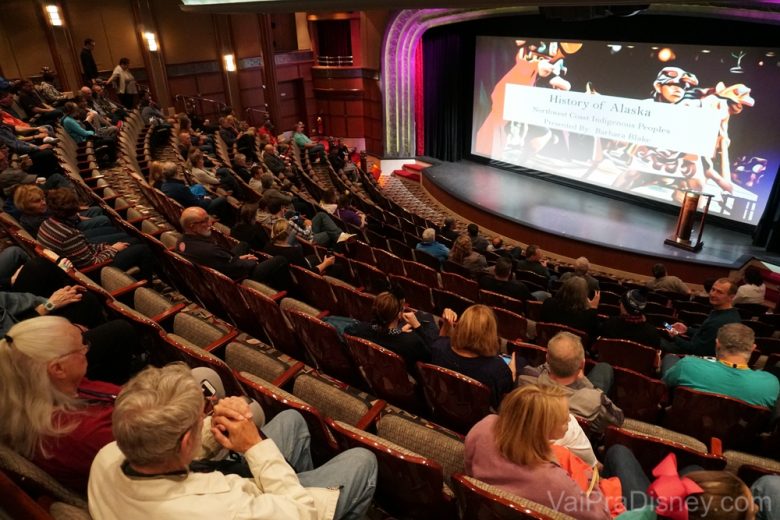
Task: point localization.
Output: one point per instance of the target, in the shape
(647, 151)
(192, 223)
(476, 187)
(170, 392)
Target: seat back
(456, 268)
(511, 326)
(372, 279)
(270, 322)
(629, 354)
(421, 273)
(195, 356)
(650, 450)
(408, 484)
(534, 354)
(640, 397)
(703, 416)
(418, 295)
(494, 299)
(457, 401)
(351, 302)
(477, 499)
(449, 300)
(324, 347)
(427, 259)
(465, 287)
(546, 331)
(385, 374)
(388, 262)
(260, 360)
(315, 287)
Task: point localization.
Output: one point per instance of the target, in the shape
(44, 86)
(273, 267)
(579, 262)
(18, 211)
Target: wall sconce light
(230, 62)
(53, 12)
(151, 42)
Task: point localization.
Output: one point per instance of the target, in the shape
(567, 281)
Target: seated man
(447, 230)
(665, 282)
(32, 103)
(501, 282)
(197, 246)
(498, 247)
(587, 395)
(316, 150)
(729, 373)
(581, 268)
(159, 427)
(478, 242)
(432, 247)
(275, 162)
(174, 186)
(701, 340)
(320, 230)
(534, 261)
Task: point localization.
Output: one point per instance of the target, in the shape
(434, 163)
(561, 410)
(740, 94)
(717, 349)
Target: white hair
(153, 411)
(429, 235)
(28, 396)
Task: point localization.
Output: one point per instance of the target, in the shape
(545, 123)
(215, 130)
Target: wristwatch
(49, 306)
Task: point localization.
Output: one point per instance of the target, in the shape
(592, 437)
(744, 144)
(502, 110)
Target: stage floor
(582, 216)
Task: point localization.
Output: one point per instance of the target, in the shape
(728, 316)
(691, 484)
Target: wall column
(269, 68)
(154, 62)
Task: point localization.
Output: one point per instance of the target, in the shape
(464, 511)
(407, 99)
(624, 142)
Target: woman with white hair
(52, 414)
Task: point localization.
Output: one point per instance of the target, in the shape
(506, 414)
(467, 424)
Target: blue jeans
(602, 375)
(353, 472)
(326, 232)
(766, 493)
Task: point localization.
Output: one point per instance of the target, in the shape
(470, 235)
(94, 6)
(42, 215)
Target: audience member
(534, 262)
(88, 66)
(664, 282)
(430, 246)
(61, 234)
(44, 162)
(728, 373)
(241, 167)
(173, 185)
(307, 145)
(462, 254)
(329, 200)
(347, 213)
(632, 324)
(48, 91)
(248, 230)
(53, 414)
(587, 395)
(280, 246)
(498, 247)
(581, 268)
(124, 83)
(197, 246)
(221, 178)
(159, 427)
(11, 178)
(754, 289)
(501, 281)
(320, 230)
(156, 176)
(408, 333)
(34, 106)
(273, 160)
(701, 340)
(513, 451)
(105, 107)
(478, 242)
(271, 192)
(447, 230)
(470, 345)
(570, 306)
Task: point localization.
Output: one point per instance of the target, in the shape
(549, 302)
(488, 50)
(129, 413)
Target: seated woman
(462, 254)
(513, 450)
(248, 229)
(30, 200)
(472, 350)
(58, 412)
(754, 289)
(155, 179)
(407, 333)
(71, 122)
(329, 201)
(280, 246)
(348, 214)
(60, 234)
(221, 178)
(570, 306)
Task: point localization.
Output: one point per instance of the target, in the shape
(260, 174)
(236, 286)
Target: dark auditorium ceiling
(599, 8)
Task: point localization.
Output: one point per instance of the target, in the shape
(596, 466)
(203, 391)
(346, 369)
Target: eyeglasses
(85, 344)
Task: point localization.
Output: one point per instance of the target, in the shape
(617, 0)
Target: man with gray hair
(581, 268)
(587, 395)
(430, 246)
(728, 373)
(160, 428)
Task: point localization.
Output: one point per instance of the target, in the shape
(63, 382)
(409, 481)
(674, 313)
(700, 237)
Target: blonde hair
(29, 398)
(26, 193)
(526, 421)
(477, 332)
(279, 231)
(155, 172)
(153, 411)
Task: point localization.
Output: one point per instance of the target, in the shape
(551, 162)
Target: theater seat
(457, 401)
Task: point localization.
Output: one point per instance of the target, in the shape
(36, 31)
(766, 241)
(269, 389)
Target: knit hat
(633, 301)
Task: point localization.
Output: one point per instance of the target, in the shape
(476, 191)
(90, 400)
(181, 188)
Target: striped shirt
(71, 243)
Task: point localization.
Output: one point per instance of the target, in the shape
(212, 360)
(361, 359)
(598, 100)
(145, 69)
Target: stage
(572, 222)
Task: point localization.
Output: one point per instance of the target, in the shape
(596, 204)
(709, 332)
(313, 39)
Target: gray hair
(736, 339)
(565, 354)
(581, 265)
(28, 396)
(154, 411)
(429, 235)
(169, 170)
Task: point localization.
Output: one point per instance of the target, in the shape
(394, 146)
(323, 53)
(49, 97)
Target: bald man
(197, 246)
(581, 268)
(272, 159)
(565, 367)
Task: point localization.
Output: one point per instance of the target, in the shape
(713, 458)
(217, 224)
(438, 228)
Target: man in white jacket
(160, 428)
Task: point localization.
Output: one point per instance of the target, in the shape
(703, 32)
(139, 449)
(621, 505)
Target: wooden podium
(687, 219)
